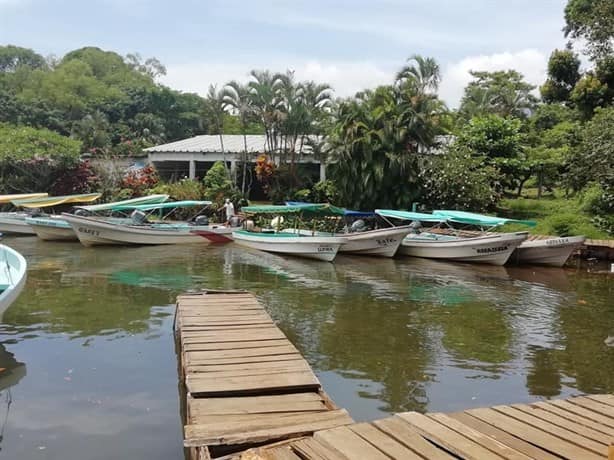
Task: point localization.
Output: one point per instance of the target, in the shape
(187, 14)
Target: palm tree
(236, 97)
(263, 90)
(421, 74)
(214, 110)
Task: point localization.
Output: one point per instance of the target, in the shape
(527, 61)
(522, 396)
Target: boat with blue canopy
(364, 233)
(492, 249)
(56, 228)
(295, 242)
(551, 251)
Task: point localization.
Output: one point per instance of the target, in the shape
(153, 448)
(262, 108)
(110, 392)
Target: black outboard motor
(81, 212)
(358, 226)
(201, 220)
(138, 217)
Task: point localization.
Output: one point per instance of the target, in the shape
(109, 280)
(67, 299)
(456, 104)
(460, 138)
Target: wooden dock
(245, 383)
(250, 395)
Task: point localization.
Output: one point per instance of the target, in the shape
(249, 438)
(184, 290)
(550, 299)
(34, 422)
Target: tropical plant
(592, 22)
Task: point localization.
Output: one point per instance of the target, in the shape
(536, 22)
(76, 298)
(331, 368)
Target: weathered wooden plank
(581, 411)
(255, 373)
(605, 399)
(273, 364)
(195, 351)
(595, 406)
(349, 444)
(503, 437)
(549, 427)
(240, 336)
(290, 381)
(388, 445)
(402, 432)
(556, 410)
(200, 330)
(282, 426)
(280, 453)
(294, 402)
(245, 344)
(446, 437)
(189, 360)
(311, 449)
(478, 437)
(533, 435)
(564, 423)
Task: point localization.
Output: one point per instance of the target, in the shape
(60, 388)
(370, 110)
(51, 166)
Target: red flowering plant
(265, 171)
(139, 181)
(80, 178)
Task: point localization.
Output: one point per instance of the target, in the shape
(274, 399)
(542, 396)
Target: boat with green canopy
(494, 249)
(15, 221)
(56, 228)
(291, 242)
(550, 251)
(142, 229)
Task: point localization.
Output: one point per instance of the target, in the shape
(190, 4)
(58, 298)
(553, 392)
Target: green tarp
(304, 209)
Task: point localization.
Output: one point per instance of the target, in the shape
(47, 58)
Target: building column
(322, 171)
(192, 174)
(233, 171)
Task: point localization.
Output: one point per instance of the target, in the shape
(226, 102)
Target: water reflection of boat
(308, 272)
(11, 370)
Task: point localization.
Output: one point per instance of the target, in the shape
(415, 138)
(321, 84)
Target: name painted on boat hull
(88, 231)
(492, 250)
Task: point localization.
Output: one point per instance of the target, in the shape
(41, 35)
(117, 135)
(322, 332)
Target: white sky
(351, 45)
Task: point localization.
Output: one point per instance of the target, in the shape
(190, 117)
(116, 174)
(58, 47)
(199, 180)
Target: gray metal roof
(233, 143)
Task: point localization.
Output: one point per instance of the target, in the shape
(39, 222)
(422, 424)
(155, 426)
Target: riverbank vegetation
(509, 147)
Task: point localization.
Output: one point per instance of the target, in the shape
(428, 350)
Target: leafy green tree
(593, 162)
(563, 74)
(591, 21)
(458, 180)
(12, 57)
(588, 94)
(25, 142)
(503, 93)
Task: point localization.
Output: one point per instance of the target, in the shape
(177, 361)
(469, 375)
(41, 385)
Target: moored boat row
(317, 231)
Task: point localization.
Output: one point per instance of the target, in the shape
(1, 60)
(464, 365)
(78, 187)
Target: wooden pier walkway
(245, 382)
(250, 395)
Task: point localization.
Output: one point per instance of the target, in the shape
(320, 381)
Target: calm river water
(89, 371)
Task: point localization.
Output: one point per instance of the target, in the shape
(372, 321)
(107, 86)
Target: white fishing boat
(550, 251)
(381, 242)
(292, 243)
(93, 231)
(14, 222)
(56, 228)
(492, 249)
(13, 268)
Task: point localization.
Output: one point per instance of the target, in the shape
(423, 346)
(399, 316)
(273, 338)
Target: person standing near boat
(230, 210)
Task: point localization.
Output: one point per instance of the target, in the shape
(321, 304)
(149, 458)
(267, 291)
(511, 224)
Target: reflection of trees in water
(476, 332)
(544, 375)
(85, 307)
(585, 326)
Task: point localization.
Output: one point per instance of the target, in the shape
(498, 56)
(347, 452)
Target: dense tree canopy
(593, 22)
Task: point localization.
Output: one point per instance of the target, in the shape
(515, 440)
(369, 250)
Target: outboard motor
(81, 212)
(358, 226)
(415, 227)
(138, 217)
(201, 220)
(235, 221)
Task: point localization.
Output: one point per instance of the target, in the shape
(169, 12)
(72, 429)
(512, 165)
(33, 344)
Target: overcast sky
(351, 45)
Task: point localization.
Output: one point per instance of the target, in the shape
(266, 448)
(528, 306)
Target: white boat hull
(15, 223)
(13, 276)
(553, 252)
(92, 232)
(489, 249)
(49, 230)
(383, 242)
(313, 247)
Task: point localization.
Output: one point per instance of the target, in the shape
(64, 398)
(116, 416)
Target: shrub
(325, 192)
(140, 181)
(21, 142)
(185, 189)
(217, 184)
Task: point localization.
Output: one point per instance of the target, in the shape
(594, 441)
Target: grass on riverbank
(555, 215)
